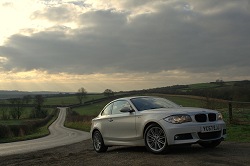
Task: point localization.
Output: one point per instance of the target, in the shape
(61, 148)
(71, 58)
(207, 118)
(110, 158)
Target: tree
(27, 99)
(5, 113)
(17, 108)
(39, 112)
(81, 93)
(108, 93)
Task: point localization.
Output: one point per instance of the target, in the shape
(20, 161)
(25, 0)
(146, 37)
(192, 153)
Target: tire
(155, 139)
(98, 143)
(210, 144)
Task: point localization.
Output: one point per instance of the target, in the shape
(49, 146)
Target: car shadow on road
(184, 149)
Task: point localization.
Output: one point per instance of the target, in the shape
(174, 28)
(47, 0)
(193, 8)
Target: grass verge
(84, 126)
(238, 133)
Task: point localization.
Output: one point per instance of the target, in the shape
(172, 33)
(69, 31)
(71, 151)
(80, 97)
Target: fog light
(183, 136)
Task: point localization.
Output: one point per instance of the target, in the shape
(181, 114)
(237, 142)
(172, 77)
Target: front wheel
(155, 139)
(98, 142)
(210, 144)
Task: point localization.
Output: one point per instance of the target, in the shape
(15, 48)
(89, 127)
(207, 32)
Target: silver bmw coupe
(156, 123)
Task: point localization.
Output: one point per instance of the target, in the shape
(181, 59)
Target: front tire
(98, 142)
(210, 144)
(155, 139)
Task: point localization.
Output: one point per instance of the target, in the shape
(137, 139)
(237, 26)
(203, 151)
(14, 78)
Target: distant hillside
(19, 94)
(231, 90)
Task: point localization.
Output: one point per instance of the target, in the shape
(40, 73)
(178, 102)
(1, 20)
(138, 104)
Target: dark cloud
(198, 37)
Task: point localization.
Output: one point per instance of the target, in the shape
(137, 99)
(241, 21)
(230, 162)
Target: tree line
(238, 91)
(17, 108)
(82, 93)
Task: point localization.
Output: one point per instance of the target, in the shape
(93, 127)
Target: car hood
(181, 110)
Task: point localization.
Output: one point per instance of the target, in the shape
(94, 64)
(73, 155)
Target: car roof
(132, 97)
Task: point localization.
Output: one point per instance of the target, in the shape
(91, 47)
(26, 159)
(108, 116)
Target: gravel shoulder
(82, 153)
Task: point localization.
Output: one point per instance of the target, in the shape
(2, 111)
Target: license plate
(210, 128)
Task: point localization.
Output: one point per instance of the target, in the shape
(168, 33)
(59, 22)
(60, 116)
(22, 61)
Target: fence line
(239, 112)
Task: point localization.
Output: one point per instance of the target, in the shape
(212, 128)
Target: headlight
(220, 116)
(177, 119)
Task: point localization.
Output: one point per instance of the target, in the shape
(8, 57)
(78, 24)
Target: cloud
(7, 4)
(196, 37)
(55, 14)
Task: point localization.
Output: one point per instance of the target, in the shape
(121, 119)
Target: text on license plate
(210, 128)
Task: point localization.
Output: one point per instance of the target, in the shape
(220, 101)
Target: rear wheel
(155, 139)
(98, 142)
(210, 144)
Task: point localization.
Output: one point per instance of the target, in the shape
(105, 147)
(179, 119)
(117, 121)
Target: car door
(105, 120)
(122, 125)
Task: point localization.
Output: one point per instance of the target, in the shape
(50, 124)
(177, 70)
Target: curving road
(59, 136)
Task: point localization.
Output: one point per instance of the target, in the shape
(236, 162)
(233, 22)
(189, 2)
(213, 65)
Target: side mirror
(127, 109)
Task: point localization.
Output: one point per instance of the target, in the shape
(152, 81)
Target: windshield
(146, 103)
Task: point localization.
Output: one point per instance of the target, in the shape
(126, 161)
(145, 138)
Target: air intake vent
(209, 135)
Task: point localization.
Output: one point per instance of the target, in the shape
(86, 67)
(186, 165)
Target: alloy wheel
(156, 139)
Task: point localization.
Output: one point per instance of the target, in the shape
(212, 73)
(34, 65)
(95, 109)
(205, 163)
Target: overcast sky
(62, 45)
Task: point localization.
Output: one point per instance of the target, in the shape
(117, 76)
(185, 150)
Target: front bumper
(191, 132)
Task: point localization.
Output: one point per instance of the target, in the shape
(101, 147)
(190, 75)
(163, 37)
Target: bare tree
(81, 93)
(5, 113)
(108, 93)
(17, 108)
(39, 111)
(27, 99)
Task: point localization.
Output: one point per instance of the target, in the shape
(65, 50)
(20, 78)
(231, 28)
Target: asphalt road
(59, 136)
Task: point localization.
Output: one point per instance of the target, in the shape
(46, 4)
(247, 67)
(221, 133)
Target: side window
(107, 110)
(118, 105)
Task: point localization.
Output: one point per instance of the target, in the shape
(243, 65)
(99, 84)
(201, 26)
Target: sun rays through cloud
(61, 45)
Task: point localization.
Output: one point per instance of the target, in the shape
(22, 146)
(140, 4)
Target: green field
(72, 99)
(203, 86)
(25, 114)
(236, 132)
(93, 109)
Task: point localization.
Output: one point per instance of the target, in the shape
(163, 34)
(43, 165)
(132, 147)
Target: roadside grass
(235, 132)
(238, 133)
(80, 125)
(38, 133)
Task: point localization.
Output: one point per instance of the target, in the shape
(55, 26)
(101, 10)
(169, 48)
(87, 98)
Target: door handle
(110, 120)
